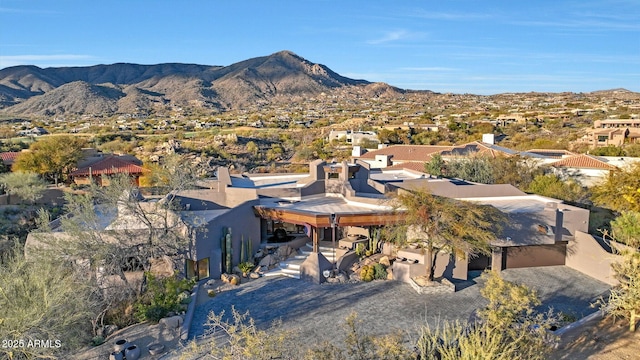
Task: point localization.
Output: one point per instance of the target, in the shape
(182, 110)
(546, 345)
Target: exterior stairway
(291, 266)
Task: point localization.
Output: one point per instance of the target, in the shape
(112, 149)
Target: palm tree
(443, 224)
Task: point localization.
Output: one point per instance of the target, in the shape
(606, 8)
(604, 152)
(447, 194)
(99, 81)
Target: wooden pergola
(324, 220)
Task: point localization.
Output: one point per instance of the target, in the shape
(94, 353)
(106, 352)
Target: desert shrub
(246, 266)
(360, 249)
(41, 298)
(379, 272)
(162, 297)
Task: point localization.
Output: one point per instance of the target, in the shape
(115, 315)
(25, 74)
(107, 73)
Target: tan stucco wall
(586, 255)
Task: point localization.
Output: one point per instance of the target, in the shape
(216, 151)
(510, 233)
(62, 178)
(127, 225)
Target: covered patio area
(332, 225)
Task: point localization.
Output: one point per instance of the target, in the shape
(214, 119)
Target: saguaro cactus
(229, 250)
(243, 250)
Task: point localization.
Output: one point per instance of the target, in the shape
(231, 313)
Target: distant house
(353, 137)
(414, 156)
(612, 132)
(589, 170)
(98, 170)
(36, 131)
(8, 158)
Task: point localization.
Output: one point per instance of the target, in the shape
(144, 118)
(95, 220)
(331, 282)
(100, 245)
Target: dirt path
(599, 339)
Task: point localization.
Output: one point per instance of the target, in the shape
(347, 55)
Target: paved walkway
(318, 311)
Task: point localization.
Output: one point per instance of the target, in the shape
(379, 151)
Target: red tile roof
(108, 166)
(411, 165)
(583, 161)
(9, 157)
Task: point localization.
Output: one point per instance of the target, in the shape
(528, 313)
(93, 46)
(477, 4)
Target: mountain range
(132, 88)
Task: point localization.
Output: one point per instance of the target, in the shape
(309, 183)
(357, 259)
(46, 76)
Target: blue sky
(460, 46)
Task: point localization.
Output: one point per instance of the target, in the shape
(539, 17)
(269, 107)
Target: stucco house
(323, 214)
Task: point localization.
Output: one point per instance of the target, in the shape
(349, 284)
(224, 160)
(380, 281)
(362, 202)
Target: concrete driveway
(318, 311)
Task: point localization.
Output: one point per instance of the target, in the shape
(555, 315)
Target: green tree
(426, 138)
(43, 298)
(632, 150)
(435, 166)
(624, 299)
(610, 150)
(475, 168)
(626, 228)
(53, 157)
(515, 170)
(113, 230)
(443, 224)
(621, 190)
(253, 148)
(551, 185)
(621, 193)
(369, 144)
(28, 186)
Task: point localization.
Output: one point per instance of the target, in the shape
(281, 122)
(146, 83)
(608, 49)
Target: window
(197, 269)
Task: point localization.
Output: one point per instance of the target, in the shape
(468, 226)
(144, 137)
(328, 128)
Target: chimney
(559, 224)
(357, 151)
(385, 160)
(489, 138)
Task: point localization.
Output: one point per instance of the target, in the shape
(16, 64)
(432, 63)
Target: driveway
(318, 311)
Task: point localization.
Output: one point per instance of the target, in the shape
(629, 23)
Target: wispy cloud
(591, 25)
(450, 16)
(429, 69)
(44, 60)
(396, 35)
(26, 11)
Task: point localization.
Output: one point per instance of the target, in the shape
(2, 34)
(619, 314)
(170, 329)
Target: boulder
(162, 267)
(268, 261)
(254, 275)
(342, 278)
(234, 279)
(385, 261)
(284, 251)
(236, 270)
(172, 322)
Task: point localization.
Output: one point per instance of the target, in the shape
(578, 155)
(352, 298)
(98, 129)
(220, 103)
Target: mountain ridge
(30, 90)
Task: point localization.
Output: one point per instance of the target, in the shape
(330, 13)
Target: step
(290, 265)
(284, 272)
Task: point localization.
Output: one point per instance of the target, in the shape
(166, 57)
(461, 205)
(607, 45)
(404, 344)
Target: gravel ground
(318, 311)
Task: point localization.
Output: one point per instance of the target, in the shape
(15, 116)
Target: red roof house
(106, 167)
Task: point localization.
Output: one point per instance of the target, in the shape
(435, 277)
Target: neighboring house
(414, 156)
(612, 132)
(353, 137)
(98, 169)
(589, 170)
(8, 158)
(36, 131)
